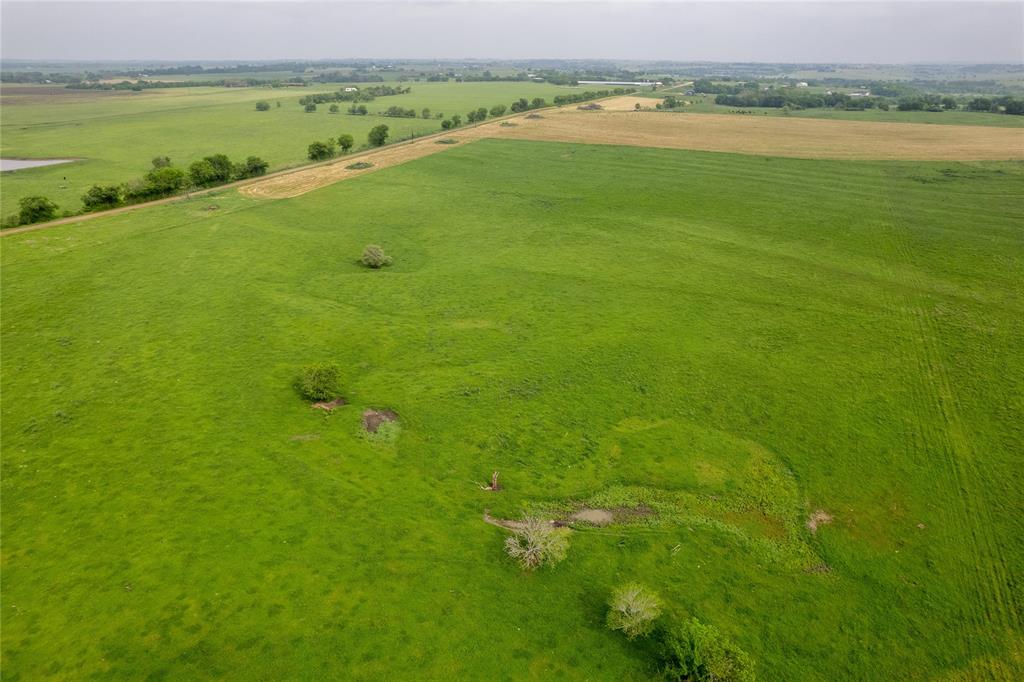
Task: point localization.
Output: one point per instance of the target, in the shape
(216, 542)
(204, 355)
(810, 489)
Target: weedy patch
(447, 140)
(359, 165)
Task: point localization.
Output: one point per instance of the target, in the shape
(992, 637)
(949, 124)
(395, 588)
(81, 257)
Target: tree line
(364, 95)
(162, 180)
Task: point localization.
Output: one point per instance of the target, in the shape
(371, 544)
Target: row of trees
(162, 180)
(590, 94)
(321, 151)
(165, 179)
(367, 94)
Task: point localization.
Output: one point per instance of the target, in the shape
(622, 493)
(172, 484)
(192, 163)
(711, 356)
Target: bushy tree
(202, 173)
(446, 124)
(345, 142)
(262, 106)
(310, 107)
(358, 110)
(477, 115)
(100, 197)
(456, 121)
(498, 109)
(374, 257)
(318, 151)
(320, 381)
(537, 103)
(697, 652)
(425, 113)
(333, 109)
(253, 167)
(158, 182)
(378, 135)
(633, 609)
(36, 209)
(536, 543)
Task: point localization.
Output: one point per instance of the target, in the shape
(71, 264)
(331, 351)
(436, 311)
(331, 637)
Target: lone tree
(633, 609)
(320, 381)
(374, 257)
(345, 142)
(378, 135)
(310, 108)
(536, 543)
(262, 106)
(333, 109)
(36, 210)
(319, 151)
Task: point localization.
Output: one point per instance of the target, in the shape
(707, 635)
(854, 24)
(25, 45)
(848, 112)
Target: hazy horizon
(769, 32)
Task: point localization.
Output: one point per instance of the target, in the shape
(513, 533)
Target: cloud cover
(859, 32)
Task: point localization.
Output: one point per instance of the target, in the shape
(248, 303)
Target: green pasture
(734, 342)
(116, 136)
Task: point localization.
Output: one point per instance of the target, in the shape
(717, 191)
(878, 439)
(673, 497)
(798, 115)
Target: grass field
(737, 341)
(116, 135)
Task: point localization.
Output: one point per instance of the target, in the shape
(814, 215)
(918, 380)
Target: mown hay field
(738, 344)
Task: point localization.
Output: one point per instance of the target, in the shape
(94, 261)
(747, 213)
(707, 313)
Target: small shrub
(374, 257)
(633, 609)
(262, 106)
(320, 381)
(537, 544)
(699, 652)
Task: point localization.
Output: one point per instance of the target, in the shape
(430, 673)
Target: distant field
(752, 339)
(118, 134)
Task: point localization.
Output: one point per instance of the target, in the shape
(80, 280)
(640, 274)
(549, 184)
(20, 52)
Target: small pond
(18, 164)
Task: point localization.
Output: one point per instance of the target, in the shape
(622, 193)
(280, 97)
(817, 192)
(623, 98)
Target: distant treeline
(590, 94)
(348, 77)
(140, 85)
(363, 95)
(753, 94)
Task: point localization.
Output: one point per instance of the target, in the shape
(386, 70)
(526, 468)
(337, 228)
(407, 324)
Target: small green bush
(701, 653)
(320, 381)
(374, 257)
(386, 433)
(633, 609)
(536, 543)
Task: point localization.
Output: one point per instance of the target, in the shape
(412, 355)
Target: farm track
(949, 451)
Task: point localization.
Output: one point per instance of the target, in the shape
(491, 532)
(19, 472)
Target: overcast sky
(827, 31)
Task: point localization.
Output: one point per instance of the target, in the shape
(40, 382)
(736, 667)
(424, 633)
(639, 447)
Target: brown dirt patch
(372, 419)
(819, 518)
(329, 405)
(773, 136)
(597, 517)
